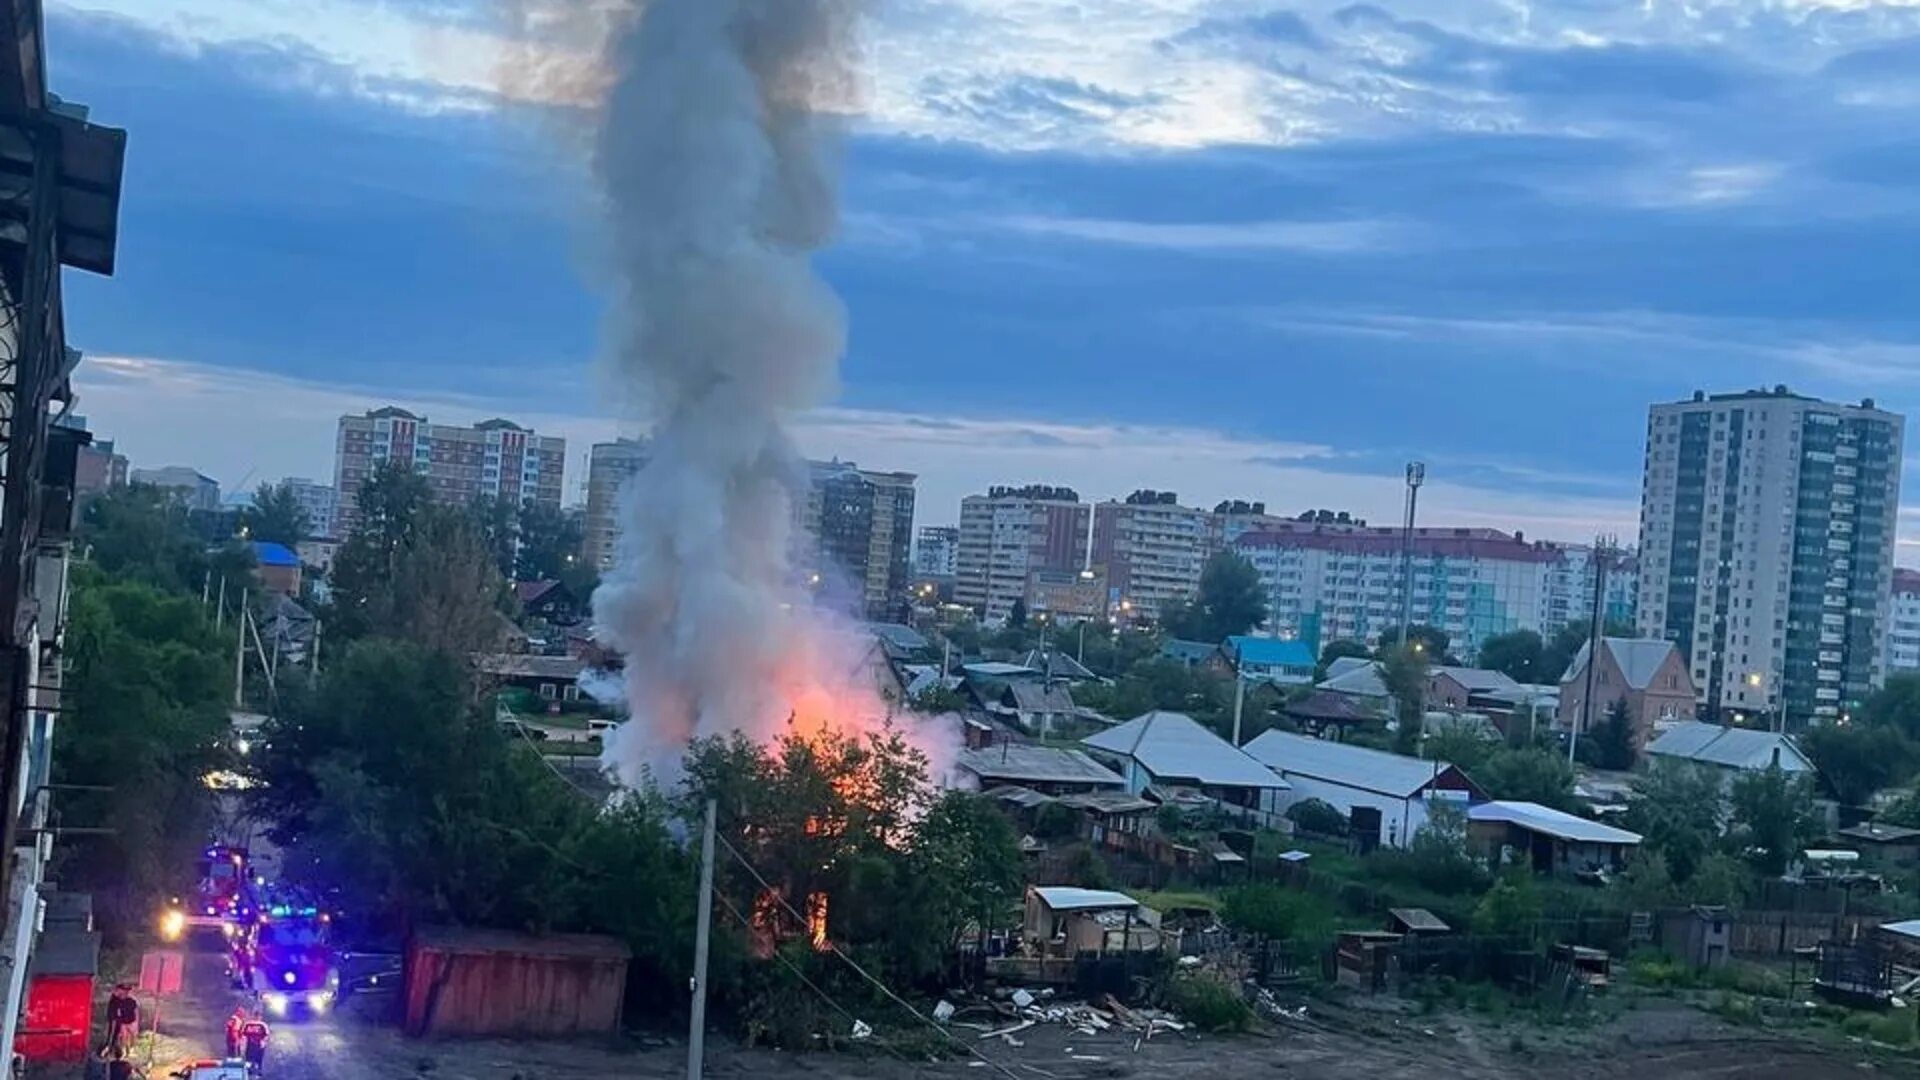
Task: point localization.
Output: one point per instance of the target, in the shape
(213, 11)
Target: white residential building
(1570, 596)
(1346, 583)
(317, 500)
(1009, 534)
(1766, 548)
(193, 489)
(936, 552)
(1152, 550)
(1903, 623)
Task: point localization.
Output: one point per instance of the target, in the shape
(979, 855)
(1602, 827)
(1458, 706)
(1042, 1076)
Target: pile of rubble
(1011, 1012)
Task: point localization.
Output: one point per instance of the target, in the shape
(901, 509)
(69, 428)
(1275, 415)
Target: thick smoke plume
(713, 157)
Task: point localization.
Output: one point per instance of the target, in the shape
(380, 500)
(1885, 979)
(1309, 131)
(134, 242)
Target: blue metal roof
(1271, 652)
(271, 554)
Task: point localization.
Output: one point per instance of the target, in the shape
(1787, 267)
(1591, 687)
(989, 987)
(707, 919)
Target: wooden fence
(1779, 933)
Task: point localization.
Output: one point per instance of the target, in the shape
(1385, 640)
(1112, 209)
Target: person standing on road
(123, 1019)
(234, 1023)
(253, 1039)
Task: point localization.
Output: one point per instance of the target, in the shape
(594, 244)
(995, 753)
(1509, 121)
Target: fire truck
(288, 956)
(223, 898)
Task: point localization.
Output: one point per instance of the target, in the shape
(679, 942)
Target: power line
(811, 985)
(862, 972)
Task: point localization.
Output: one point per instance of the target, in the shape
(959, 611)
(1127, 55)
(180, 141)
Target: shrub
(1859, 1023)
(1055, 822)
(1895, 1029)
(1318, 816)
(1209, 1004)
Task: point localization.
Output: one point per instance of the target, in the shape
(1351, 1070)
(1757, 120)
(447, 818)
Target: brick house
(1648, 673)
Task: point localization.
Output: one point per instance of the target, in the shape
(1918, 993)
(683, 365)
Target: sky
(1231, 248)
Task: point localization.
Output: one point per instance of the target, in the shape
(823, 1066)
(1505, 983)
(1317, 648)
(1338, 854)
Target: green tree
(417, 571)
(1017, 615)
(1676, 810)
(1529, 775)
(1336, 650)
(1719, 880)
(1268, 912)
(1516, 654)
(1647, 884)
(1773, 817)
(1463, 745)
(145, 717)
(497, 524)
(966, 865)
(1230, 602)
(1404, 673)
(276, 516)
(938, 699)
(552, 546)
(1430, 643)
(1896, 705)
(1437, 856)
(1317, 816)
(139, 533)
(1510, 909)
(1609, 745)
(1858, 760)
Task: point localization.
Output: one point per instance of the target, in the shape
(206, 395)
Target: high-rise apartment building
(317, 500)
(1766, 548)
(492, 459)
(1152, 550)
(1903, 622)
(1011, 533)
(936, 554)
(1570, 592)
(856, 537)
(609, 466)
(1343, 581)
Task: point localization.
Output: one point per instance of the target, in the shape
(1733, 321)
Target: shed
(1698, 936)
(58, 1018)
(1054, 770)
(1416, 920)
(1067, 921)
(1885, 844)
(1549, 840)
(497, 983)
(1730, 749)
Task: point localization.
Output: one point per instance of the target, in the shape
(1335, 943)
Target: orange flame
(817, 920)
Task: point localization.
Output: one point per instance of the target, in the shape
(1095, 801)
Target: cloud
(244, 427)
(1317, 237)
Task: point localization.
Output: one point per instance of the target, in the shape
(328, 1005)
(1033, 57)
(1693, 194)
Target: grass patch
(1168, 899)
(1895, 1029)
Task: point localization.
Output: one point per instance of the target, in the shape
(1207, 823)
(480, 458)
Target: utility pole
(1239, 700)
(1602, 550)
(220, 609)
(239, 648)
(1416, 475)
(703, 930)
(313, 659)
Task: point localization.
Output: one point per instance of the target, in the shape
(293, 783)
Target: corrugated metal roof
(1271, 652)
(1174, 747)
(1068, 898)
(1341, 665)
(1478, 679)
(1358, 681)
(1909, 928)
(1550, 822)
(1729, 748)
(1037, 765)
(1349, 766)
(1192, 652)
(1639, 659)
(1035, 697)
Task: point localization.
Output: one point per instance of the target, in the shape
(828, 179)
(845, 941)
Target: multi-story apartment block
(1152, 550)
(936, 554)
(1570, 589)
(1007, 535)
(193, 489)
(317, 500)
(609, 466)
(1903, 622)
(494, 459)
(856, 535)
(1766, 548)
(1345, 582)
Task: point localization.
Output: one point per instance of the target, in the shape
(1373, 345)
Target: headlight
(319, 1000)
(173, 924)
(275, 1003)
(289, 978)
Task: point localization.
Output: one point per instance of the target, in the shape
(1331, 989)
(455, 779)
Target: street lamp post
(1416, 475)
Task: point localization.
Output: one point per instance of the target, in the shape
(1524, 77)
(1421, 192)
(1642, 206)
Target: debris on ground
(943, 1012)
